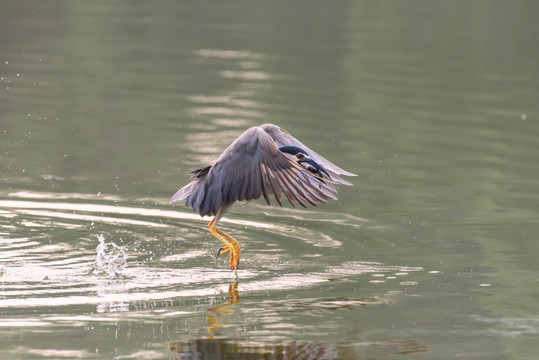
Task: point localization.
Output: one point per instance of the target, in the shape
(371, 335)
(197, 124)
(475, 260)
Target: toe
(223, 250)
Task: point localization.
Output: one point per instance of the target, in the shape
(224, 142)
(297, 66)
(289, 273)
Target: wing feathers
(288, 188)
(271, 181)
(251, 167)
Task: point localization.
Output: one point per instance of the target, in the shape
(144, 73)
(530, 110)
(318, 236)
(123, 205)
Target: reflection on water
(216, 345)
(214, 349)
(216, 313)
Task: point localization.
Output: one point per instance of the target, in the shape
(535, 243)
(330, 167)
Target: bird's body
(260, 162)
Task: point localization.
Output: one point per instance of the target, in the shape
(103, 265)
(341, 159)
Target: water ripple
(84, 252)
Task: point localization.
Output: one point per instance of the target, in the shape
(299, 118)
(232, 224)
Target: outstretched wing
(283, 138)
(251, 167)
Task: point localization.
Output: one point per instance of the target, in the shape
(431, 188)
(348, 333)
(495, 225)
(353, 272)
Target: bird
(262, 161)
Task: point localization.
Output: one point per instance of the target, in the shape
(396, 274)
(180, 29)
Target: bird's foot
(234, 256)
(235, 260)
(234, 264)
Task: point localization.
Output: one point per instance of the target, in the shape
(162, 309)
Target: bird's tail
(184, 192)
(188, 189)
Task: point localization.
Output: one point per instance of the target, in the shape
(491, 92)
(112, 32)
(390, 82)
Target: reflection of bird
(217, 312)
(263, 160)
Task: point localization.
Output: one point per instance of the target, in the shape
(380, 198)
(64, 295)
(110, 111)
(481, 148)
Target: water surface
(106, 107)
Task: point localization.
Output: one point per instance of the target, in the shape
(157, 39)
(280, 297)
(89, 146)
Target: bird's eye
(300, 155)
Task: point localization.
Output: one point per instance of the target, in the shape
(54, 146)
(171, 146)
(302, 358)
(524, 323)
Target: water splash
(111, 259)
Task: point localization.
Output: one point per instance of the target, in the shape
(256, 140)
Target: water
(105, 107)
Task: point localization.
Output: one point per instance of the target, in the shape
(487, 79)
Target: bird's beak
(313, 163)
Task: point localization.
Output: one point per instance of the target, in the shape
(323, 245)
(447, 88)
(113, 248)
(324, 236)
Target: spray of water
(111, 259)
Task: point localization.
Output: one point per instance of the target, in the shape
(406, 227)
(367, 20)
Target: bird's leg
(237, 251)
(216, 233)
(230, 245)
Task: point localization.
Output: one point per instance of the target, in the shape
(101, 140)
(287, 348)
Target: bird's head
(303, 158)
(294, 151)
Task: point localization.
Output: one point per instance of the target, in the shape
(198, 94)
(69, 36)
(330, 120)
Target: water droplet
(111, 259)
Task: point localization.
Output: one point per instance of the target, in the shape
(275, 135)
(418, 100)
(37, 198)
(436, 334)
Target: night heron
(263, 160)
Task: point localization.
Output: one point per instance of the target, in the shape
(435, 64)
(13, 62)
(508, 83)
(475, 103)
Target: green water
(106, 106)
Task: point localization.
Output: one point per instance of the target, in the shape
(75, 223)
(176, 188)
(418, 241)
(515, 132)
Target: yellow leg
(235, 252)
(230, 245)
(233, 241)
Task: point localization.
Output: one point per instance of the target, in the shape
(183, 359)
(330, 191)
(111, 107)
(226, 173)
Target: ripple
(81, 261)
(511, 326)
(246, 75)
(299, 350)
(83, 252)
(229, 54)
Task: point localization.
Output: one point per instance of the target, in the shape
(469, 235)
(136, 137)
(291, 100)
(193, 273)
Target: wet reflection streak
(216, 313)
(212, 348)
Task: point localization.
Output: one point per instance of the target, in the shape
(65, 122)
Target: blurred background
(105, 107)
